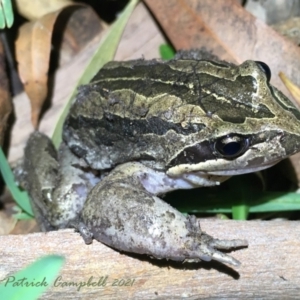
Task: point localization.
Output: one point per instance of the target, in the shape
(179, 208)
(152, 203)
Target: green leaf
(21, 197)
(22, 216)
(104, 54)
(8, 13)
(31, 282)
(2, 17)
(166, 51)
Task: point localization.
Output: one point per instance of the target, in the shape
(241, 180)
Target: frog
(143, 128)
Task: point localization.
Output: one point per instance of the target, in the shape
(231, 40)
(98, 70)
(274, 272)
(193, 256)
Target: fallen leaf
(230, 31)
(102, 55)
(7, 223)
(35, 9)
(289, 28)
(293, 88)
(25, 227)
(81, 27)
(5, 100)
(291, 166)
(141, 37)
(33, 48)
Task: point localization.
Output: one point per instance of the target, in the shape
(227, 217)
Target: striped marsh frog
(143, 128)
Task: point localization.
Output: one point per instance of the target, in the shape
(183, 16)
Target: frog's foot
(79, 226)
(210, 247)
(121, 213)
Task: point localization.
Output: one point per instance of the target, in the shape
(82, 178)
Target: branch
(270, 266)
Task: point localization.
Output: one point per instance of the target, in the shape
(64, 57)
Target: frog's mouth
(222, 167)
(245, 170)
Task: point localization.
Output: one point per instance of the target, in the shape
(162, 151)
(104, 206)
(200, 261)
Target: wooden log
(270, 266)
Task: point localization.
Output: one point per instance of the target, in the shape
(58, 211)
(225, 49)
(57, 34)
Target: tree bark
(270, 266)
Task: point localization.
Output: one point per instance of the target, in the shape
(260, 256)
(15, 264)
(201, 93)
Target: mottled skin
(150, 127)
(152, 112)
(58, 182)
(134, 220)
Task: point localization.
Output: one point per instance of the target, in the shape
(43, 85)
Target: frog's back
(151, 111)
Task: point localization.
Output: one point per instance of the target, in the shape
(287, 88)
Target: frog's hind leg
(40, 167)
(56, 182)
(121, 213)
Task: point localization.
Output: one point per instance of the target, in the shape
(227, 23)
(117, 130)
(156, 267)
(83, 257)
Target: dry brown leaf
(25, 227)
(141, 38)
(33, 48)
(289, 28)
(82, 26)
(7, 223)
(35, 9)
(5, 100)
(291, 167)
(230, 31)
(293, 88)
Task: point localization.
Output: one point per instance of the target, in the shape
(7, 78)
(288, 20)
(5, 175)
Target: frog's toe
(209, 248)
(228, 244)
(214, 254)
(79, 226)
(200, 245)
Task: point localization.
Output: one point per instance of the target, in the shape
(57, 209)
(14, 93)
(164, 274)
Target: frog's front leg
(122, 213)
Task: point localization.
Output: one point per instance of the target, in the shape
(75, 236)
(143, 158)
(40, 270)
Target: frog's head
(249, 127)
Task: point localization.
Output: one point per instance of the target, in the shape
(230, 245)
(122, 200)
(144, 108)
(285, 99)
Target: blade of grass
(21, 197)
(242, 194)
(104, 54)
(222, 203)
(31, 282)
(215, 200)
(240, 212)
(275, 201)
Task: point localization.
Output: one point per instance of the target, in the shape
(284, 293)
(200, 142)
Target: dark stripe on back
(231, 100)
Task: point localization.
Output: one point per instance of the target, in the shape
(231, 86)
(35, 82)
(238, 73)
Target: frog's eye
(231, 146)
(264, 67)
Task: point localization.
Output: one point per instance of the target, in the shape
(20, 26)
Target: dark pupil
(231, 148)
